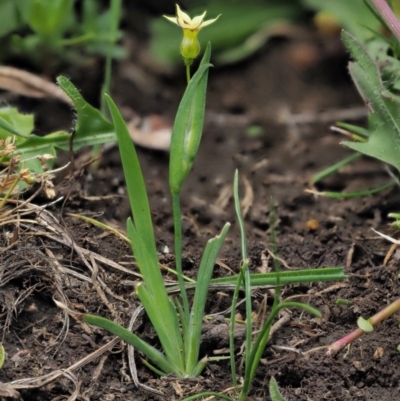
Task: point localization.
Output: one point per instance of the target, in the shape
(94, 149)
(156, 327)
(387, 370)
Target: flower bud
(190, 46)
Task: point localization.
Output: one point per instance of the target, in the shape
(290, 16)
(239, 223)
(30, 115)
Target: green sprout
(364, 326)
(254, 349)
(341, 301)
(395, 224)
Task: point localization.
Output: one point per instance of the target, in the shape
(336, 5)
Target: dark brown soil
(278, 163)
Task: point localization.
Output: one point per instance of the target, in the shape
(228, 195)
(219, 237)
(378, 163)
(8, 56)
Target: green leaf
(164, 319)
(365, 325)
(134, 181)
(274, 390)
(2, 356)
(287, 277)
(263, 335)
(97, 25)
(15, 123)
(91, 129)
(188, 126)
(9, 20)
(209, 394)
(333, 168)
(359, 194)
(341, 301)
(245, 272)
(47, 17)
(140, 231)
(90, 121)
(384, 123)
(200, 297)
(152, 353)
(359, 131)
(12, 122)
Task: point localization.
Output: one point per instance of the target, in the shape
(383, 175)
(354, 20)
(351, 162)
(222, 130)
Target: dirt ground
(303, 77)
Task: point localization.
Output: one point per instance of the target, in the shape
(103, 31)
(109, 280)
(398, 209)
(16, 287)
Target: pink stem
(383, 314)
(388, 16)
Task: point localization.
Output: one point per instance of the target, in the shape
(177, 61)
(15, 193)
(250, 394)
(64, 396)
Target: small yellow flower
(190, 46)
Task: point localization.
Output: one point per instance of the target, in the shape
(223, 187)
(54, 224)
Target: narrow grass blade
(152, 368)
(166, 328)
(359, 194)
(245, 269)
(152, 353)
(335, 167)
(274, 390)
(156, 301)
(119, 233)
(288, 277)
(360, 131)
(136, 187)
(207, 394)
(307, 308)
(61, 140)
(235, 297)
(202, 284)
(252, 356)
(140, 232)
(263, 335)
(274, 245)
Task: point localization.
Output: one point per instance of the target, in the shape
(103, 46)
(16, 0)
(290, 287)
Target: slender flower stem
(377, 318)
(176, 210)
(388, 16)
(188, 73)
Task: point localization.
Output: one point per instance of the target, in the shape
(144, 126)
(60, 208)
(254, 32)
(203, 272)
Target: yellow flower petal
(172, 19)
(197, 21)
(190, 46)
(182, 17)
(210, 21)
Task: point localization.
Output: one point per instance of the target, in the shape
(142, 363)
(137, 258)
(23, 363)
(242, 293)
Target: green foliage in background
(42, 29)
(383, 140)
(246, 25)
(243, 28)
(91, 128)
(354, 16)
(375, 71)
